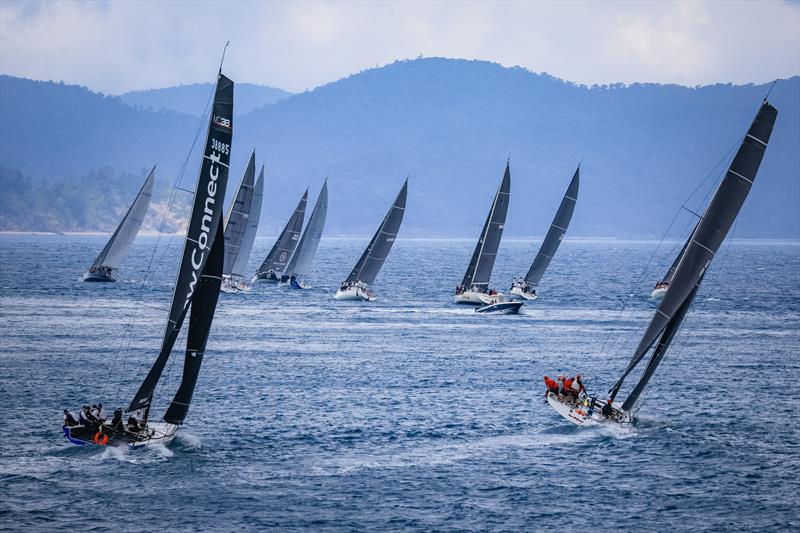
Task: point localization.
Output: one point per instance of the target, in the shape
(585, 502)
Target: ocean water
(408, 413)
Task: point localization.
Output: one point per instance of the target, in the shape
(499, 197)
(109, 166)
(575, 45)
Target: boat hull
(506, 308)
(99, 277)
(586, 412)
(266, 278)
(473, 298)
(354, 294)
(518, 294)
(157, 433)
(658, 293)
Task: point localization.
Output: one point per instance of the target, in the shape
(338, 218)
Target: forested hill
(450, 125)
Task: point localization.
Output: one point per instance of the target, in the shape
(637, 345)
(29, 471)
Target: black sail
(482, 262)
(709, 233)
(204, 304)
(556, 232)
(371, 261)
(203, 226)
(284, 247)
(236, 222)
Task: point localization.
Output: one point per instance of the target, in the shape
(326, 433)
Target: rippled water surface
(408, 412)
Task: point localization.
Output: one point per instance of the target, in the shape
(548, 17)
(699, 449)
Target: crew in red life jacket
(551, 385)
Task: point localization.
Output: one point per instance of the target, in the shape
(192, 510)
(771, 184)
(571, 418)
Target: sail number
(223, 148)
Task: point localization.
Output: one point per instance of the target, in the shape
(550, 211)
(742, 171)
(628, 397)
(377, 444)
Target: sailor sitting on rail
(69, 419)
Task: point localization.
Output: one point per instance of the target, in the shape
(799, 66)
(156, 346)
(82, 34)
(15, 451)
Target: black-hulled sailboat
(299, 266)
(356, 286)
(474, 287)
(690, 269)
(274, 264)
(195, 293)
(241, 226)
(526, 287)
(117, 247)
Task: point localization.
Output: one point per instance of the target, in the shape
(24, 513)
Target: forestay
(556, 232)
(701, 248)
(482, 262)
(300, 263)
(121, 240)
(204, 231)
(371, 261)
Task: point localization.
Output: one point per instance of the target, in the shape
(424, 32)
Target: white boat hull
(354, 294)
(518, 294)
(581, 413)
(659, 293)
(474, 298)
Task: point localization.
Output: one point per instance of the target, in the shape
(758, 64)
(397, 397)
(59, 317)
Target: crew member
(69, 419)
(552, 386)
(607, 409)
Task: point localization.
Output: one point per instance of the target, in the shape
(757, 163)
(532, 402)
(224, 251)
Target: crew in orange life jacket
(551, 385)
(567, 381)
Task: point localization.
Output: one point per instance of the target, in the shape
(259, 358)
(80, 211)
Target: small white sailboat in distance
(525, 288)
(474, 287)
(117, 247)
(241, 226)
(356, 286)
(690, 270)
(300, 264)
(275, 262)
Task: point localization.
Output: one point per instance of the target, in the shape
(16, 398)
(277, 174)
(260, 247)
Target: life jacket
(568, 383)
(100, 438)
(550, 384)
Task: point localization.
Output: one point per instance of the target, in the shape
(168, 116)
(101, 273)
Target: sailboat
(690, 269)
(474, 287)
(299, 265)
(271, 269)
(241, 226)
(661, 287)
(121, 240)
(525, 288)
(195, 293)
(356, 286)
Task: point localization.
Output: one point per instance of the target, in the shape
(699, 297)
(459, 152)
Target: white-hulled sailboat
(690, 269)
(241, 226)
(277, 258)
(299, 265)
(117, 247)
(356, 286)
(474, 287)
(525, 288)
(195, 294)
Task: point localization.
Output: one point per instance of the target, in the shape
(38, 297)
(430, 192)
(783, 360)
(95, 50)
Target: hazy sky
(124, 45)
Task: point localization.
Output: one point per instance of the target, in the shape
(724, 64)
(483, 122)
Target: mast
(371, 261)
(300, 263)
(204, 224)
(702, 246)
(238, 215)
(556, 232)
(121, 240)
(287, 241)
(482, 262)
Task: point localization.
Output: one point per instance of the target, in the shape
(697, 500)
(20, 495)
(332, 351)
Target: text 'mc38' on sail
(300, 263)
(482, 262)
(283, 248)
(121, 240)
(556, 232)
(199, 274)
(701, 247)
(371, 261)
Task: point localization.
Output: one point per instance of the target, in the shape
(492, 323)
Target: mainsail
(238, 216)
(480, 266)
(121, 240)
(243, 255)
(371, 261)
(556, 232)
(701, 248)
(300, 263)
(287, 241)
(204, 236)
